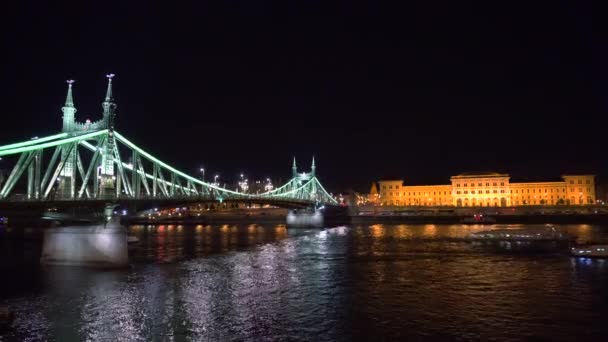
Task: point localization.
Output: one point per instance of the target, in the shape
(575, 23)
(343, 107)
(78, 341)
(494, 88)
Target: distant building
(374, 195)
(488, 189)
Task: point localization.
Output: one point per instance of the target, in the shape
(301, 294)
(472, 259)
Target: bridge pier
(305, 219)
(102, 245)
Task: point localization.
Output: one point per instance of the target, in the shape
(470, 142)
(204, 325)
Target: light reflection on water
(252, 282)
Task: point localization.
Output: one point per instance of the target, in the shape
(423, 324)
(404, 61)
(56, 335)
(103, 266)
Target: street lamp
(243, 184)
(268, 186)
(203, 173)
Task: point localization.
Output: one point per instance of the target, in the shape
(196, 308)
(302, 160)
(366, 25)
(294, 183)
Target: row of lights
(243, 184)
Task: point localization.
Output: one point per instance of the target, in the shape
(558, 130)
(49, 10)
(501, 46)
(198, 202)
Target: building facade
(489, 190)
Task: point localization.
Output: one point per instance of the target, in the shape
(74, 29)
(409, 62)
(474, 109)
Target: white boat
(590, 251)
(132, 239)
(521, 234)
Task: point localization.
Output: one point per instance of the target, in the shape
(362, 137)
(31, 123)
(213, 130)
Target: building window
(588, 181)
(479, 184)
(502, 191)
(458, 185)
(494, 184)
(473, 192)
(466, 192)
(487, 191)
(571, 181)
(580, 181)
(465, 184)
(502, 184)
(487, 184)
(495, 191)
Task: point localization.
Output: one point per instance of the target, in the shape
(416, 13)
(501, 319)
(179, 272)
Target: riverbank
(370, 219)
(205, 220)
(488, 219)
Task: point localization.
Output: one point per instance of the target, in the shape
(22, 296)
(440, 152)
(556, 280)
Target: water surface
(252, 282)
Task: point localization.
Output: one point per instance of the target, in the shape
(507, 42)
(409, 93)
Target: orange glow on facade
(487, 190)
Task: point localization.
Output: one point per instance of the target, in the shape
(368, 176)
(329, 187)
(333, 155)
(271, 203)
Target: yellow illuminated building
(488, 190)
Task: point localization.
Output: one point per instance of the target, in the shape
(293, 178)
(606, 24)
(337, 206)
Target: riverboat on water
(521, 234)
(590, 251)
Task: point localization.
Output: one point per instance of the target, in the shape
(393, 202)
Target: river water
(269, 283)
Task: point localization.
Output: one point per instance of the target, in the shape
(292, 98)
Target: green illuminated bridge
(85, 162)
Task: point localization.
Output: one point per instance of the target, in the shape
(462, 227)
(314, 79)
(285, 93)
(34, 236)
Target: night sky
(374, 90)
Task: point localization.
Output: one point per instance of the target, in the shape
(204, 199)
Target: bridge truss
(76, 168)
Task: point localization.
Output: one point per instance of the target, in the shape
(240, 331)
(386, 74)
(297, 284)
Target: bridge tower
(107, 178)
(68, 109)
(67, 181)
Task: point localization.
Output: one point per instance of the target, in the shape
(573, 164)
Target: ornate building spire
(68, 109)
(294, 169)
(69, 100)
(108, 101)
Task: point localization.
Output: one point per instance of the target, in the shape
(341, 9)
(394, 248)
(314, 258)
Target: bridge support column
(305, 219)
(102, 246)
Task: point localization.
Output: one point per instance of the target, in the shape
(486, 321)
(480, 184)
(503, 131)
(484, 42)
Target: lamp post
(243, 184)
(268, 186)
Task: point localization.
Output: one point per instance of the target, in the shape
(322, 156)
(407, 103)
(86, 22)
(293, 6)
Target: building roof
(480, 174)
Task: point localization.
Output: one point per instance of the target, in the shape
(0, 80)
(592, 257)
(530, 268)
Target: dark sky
(419, 91)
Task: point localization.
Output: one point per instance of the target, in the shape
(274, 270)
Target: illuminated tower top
(69, 100)
(294, 169)
(313, 168)
(108, 102)
(72, 126)
(68, 109)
